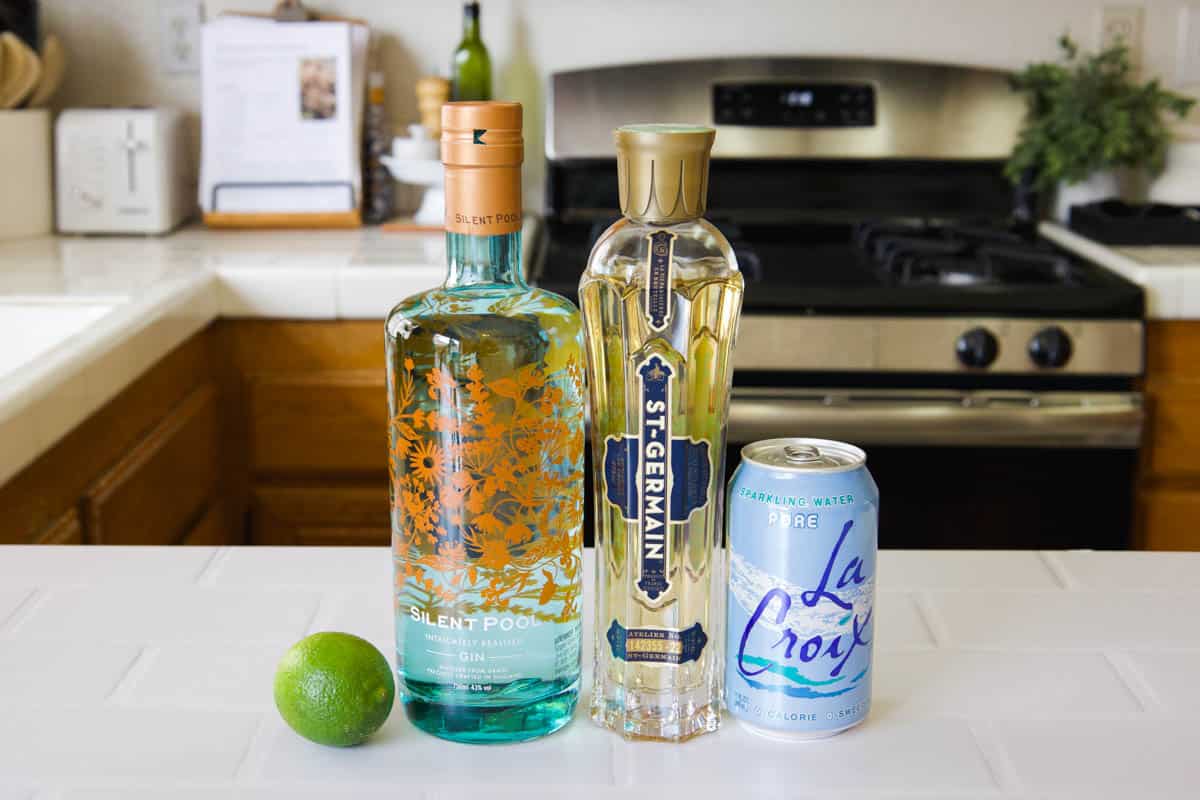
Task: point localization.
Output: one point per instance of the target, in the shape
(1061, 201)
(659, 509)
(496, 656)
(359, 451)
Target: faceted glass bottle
(485, 395)
(660, 298)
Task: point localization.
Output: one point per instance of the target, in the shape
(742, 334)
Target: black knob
(977, 348)
(1050, 347)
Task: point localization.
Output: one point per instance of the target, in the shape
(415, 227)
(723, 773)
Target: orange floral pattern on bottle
(487, 482)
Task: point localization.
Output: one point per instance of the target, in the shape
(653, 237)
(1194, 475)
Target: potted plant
(1088, 116)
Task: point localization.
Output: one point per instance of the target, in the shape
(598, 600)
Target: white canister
(26, 201)
(1179, 184)
(1100, 185)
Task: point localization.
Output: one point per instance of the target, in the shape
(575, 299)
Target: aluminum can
(803, 519)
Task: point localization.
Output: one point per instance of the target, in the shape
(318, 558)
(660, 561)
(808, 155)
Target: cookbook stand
(286, 11)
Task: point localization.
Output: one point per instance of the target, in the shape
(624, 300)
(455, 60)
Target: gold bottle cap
(662, 171)
(482, 150)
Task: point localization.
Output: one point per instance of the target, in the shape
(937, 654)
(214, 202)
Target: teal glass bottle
(471, 67)
(485, 397)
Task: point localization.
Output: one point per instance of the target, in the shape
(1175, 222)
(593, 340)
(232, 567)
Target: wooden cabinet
(160, 488)
(274, 432)
(1168, 502)
(253, 430)
(147, 468)
(212, 528)
(67, 529)
(326, 422)
(312, 401)
(320, 515)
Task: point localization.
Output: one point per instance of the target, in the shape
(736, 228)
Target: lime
(334, 688)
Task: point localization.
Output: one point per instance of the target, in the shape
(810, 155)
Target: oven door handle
(941, 418)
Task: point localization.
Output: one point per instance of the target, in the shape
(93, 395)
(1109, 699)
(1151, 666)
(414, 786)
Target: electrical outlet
(1123, 24)
(179, 24)
(1187, 66)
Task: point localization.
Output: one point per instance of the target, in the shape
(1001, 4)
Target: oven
(897, 296)
(972, 468)
(1014, 455)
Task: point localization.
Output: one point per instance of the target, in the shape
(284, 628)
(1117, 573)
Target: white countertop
(146, 673)
(1170, 276)
(81, 317)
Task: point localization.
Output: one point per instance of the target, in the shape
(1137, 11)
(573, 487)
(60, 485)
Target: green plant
(1088, 113)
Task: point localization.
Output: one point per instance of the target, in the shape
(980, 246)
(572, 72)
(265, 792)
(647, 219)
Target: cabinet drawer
(323, 423)
(161, 486)
(1169, 518)
(321, 515)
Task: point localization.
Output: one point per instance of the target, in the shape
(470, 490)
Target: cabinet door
(1169, 518)
(1172, 446)
(321, 515)
(161, 487)
(323, 423)
(213, 528)
(67, 529)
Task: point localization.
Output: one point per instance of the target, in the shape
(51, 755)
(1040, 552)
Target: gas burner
(943, 271)
(961, 255)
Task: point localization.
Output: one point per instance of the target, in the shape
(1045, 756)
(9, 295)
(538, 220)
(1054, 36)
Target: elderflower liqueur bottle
(661, 298)
(485, 394)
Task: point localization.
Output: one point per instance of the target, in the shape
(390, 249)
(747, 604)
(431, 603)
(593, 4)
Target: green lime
(334, 689)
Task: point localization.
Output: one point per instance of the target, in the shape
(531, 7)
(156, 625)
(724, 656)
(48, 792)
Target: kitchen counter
(82, 317)
(146, 673)
(1169, 275)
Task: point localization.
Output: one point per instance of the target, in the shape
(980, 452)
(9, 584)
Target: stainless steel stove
(897, 293)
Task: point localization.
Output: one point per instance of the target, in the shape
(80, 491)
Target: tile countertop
(81, 317)
(1170, 276)
(146, 673)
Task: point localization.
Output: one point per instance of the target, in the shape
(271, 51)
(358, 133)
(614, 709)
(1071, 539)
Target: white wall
(112, 45)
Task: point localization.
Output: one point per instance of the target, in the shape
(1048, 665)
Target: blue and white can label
(803, 519)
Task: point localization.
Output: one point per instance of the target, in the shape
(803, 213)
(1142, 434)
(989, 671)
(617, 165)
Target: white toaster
(122, 170)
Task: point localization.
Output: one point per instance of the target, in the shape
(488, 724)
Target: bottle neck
(471, 23)
(484, 260)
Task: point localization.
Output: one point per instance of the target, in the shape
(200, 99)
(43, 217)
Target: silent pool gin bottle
(485, 394)
(660, 298)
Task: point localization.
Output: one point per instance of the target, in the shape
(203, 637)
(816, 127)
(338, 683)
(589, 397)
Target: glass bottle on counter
(471, 67)
(379, 194)
(485, 396)
(660, 298)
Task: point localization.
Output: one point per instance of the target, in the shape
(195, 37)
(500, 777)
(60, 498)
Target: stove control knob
(1050, 347)
(977, 348)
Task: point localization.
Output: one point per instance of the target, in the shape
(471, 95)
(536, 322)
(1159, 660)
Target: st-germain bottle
(485, 395)
(471, 67)
(660, 298)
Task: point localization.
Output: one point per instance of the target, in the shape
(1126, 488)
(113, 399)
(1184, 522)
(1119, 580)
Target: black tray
(1115, 222)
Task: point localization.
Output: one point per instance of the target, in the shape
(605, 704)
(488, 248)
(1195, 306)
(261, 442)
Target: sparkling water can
(803, 519)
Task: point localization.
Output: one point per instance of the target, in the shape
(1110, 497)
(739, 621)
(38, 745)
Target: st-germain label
(656, 645)
(655, 478)
(658, 280)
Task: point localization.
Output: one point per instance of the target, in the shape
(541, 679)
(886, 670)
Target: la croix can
(803, 520)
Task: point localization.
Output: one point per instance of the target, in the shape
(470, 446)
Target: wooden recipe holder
(289, 11)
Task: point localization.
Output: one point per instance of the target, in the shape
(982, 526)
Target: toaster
(122, 170)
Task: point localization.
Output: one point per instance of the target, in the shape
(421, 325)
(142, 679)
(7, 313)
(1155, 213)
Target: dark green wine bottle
(471, 70)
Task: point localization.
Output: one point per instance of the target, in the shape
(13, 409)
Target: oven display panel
(794, 105)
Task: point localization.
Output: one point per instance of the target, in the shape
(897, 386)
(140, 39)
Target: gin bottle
(485, 396)
(660, 298)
